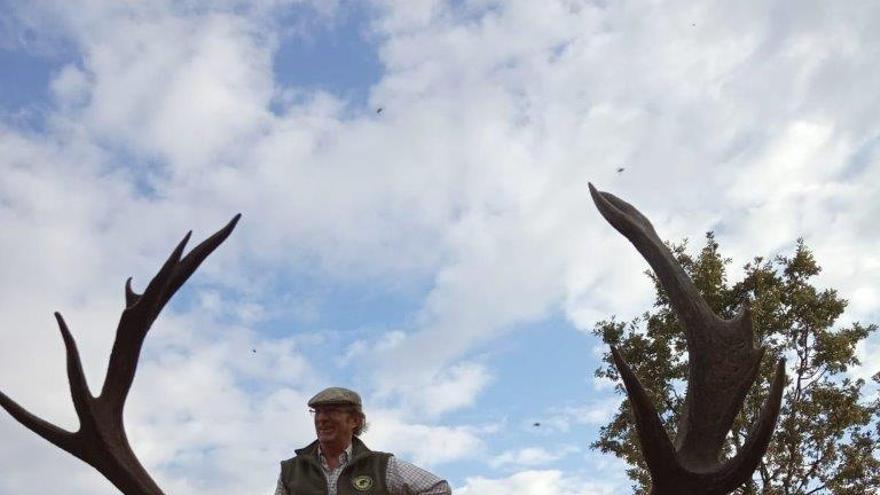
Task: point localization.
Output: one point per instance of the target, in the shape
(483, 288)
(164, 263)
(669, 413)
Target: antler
(100, 440)
(724, 363)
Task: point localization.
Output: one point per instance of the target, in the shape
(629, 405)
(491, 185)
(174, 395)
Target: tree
(828, 435)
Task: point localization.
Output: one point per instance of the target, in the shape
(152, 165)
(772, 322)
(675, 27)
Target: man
(338, 463)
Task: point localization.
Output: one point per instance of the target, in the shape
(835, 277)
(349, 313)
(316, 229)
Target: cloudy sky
(441, 256)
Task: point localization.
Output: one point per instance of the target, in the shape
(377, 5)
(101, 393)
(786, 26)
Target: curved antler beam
(723, 366)
(101, 440)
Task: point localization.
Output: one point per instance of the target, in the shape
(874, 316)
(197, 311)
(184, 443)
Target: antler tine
(194, 258)
(740, 468)
(79, 387)
(723, 365)
(134, 324)
(685, 298)
(79, 392)
(59, 437)
(131, 297)
(142, 310)
(656, 447)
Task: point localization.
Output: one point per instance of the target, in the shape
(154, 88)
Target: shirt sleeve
(279, 488)
(404, 478)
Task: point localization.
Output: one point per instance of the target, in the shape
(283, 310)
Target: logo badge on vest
(362, 483)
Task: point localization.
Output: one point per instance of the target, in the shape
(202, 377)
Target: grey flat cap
(335, 395)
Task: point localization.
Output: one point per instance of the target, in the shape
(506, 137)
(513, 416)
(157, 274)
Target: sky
(442, 256)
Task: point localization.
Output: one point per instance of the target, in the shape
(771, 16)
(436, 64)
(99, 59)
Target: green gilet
(365, 473)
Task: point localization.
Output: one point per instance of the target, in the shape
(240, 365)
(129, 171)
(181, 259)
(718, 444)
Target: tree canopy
(827, 439)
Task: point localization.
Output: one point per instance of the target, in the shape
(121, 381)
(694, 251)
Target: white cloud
(421, 443)
(451, 389)
(532, 456)
(549, 482)
(595, 412)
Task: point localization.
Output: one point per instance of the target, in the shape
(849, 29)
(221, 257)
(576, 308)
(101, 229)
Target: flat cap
(335, 395)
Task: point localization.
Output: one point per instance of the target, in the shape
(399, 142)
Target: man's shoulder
(361, 451)
(310, 450)
(380, 454)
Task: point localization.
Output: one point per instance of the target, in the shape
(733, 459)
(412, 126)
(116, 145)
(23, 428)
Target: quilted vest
(365, 473)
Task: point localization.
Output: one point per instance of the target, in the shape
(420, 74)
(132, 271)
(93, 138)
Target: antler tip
(613, 209)
(62, 327)
(231, 225)
(595, 193)
(131, 296)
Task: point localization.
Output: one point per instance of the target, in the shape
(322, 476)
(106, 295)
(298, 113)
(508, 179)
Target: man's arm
(404, 478)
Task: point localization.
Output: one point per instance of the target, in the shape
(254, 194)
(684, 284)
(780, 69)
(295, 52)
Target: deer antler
(100, 440)
(724, 364)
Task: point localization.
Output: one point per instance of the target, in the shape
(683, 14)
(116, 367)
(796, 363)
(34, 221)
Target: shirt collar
(343, 457)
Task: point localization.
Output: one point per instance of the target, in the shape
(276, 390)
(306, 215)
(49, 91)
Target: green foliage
(827, 439)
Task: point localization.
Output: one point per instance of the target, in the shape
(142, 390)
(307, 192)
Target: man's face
(335, 424)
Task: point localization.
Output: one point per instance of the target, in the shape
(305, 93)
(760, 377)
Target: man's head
(338, 414)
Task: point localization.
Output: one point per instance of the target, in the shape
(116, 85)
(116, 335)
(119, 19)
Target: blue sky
(442, 257)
